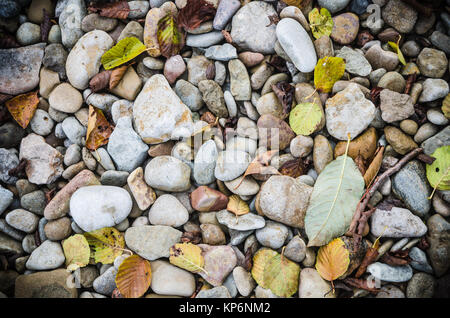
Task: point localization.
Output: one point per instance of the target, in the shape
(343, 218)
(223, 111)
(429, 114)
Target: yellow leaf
(321, 23)
(397, 50)
(260, 260)
(134, 276)
(327, 72)
(107, 243)
(127, 49)
(281, 276)
(23, 107)
(77, 252)
(374, 167)
(332, 260)
(187, 256)
(98, 130)
(306, 118)
(237, 205)
(438, 173)
(446, 106)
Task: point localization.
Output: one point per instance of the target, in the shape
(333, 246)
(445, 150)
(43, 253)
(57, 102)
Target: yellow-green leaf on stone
(124, 51)
(446, 106)
(76, 251)
(107, 243)
(187, 256)
(321, 23)
(397, 50)
(438, 173)
(170, 36)
(327, 72)
(306, 118)
(260, 260)
(281, 276)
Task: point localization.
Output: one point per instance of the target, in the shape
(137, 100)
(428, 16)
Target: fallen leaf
(396, 48)
(76, 251)
(374, 167)
(260, 165)
(260, 260)
(116, 75)
(359, 161)
(399, 258)
(369, 258)
(133, 277)
(285, 94)
(327, 72)
(306, 118)
(438, 173)
(273, 19)
(45, 26)
(361, 284)
(332, 260)
(237, 206)
(295, 3)
(188, 256)
(194, 13)
(116, 10)
(446, 106)
(170, 36)
(19, 170)
(124, 51)
(293, 168)
(321, 23)
(107, 243)
(100, 81)
(227, 36)
(98, 129)
(23, 107)
(194, 237)
(281, 276)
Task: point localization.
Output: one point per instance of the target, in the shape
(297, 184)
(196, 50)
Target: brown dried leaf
(98, 130)
(227, 36)
(398, 258)
(170, 36)
(374, 167)
(278, 63)
(359, 161)
(208, 117)
(116, 75)
(260, 165)
(45, 26)
(23, 107)
(293, 168)
(116, 10)
(274, 19)
(361, 284)
(237, 206)
(369, 258)
(194, 237)
(211, 71)
(19, 170)
(285, 94)
(8, 41)
(194, 13)
(100, 81)
(375, 95)
(5, 97)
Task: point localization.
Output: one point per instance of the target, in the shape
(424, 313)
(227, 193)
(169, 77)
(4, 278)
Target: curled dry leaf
(237, 206)
(361, 284)
(374, 167)
(116, 76)
(116, 10)
(19, 170)
(285, 94)
(170, 36)
(77, 252)
(194, 13)
(23, 107)
(359, 161)
(399, 258)
(187, 256)
(293, 168)
(100, 81)
(369, 258)
(333, 260)
(260, 165)
(106, 243)
(98, 130)
(133, 277)
(327, 72)
(194, 237)
(7, 41)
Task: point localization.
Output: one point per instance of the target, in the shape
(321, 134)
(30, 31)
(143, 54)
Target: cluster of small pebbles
(154, 185)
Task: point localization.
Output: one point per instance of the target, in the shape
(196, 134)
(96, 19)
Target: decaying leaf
(237, 206)
(170, 36)
(106, 243)
(336, 193)
(194, 237)
(374, 167)
(332, 260)
(398, 258)
(327, 72)
(194, 13)
(306, 118)
(396, 48)
(134, 276)
(116, 10)
(260, 165)
(281, 276)
(260, 260)
(360, 283)
(295, 3)
(77, 252)
(438, 173)
(446, 106)
(98, 129)
(273, 19)
(45, 26)
(187, 256)
(285, 94)
(100, 81)
(293, 168)
(124, 51)
(369, 258)
(360, 163)
(116, 75)
(321, 23)
(23, 107)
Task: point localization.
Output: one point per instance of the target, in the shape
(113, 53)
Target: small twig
(426, 158)
(197, 290)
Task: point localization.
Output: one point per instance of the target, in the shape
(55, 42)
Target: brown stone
(142, 192)
(401, 142)
(212, 234)
(58, 229)
(364, 145)
(345, 28)
(163, 149)
(205, 199)
(48, 284)
(274, 132)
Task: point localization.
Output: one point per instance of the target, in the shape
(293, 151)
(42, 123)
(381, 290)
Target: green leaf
(396, 48)
(306, 118)
(127, 49)
(281, 276)
(333, 201)
(321, 23)
(170, 36)
(327, 72)
(438, 173)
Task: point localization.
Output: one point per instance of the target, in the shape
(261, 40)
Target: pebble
(399, 223)
(96, 207)
(48, 255)
(425, 131)
(224, 13)
(301, 146)
(205, 163)
(432, 63)
(421, 285)
(231, 164)
(129, 86)
(22, 220)
(132, 29)
(249, 29)
(243, 186)
(438, 140)
(419, 260)
(189, 94)
(438, 237)
(246, 222)
(8, 161)
(297, 44)
(138, 9)
(380, 58)
(284, 200)
(105, 283)
(205, 199)
(94, 21)
(440, 40)
(171, 280)
(345, 28)
(54, 36)
(272, 235)
(168, 174)
(173, 68)
(223, 52)
(244, 281)
(356, 63)
(312, 285)
(34, 201)
(59, 229)
(28, 34)
(239, 80)
(114, 178)
(213, 97)
(151, 241)
(395, 106)
(219, 262)
(103, 158)
(436, 117)
(47, 284)
(398, 140)
(389, 273)
(390, 291)
(6, 198)
(167, 210)
(65, 98)
(433, 89)
(70, 20)
(334, 5)
(216, 292)
(282, 136)
(204, 39)
(212, 234)
(399, 15)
